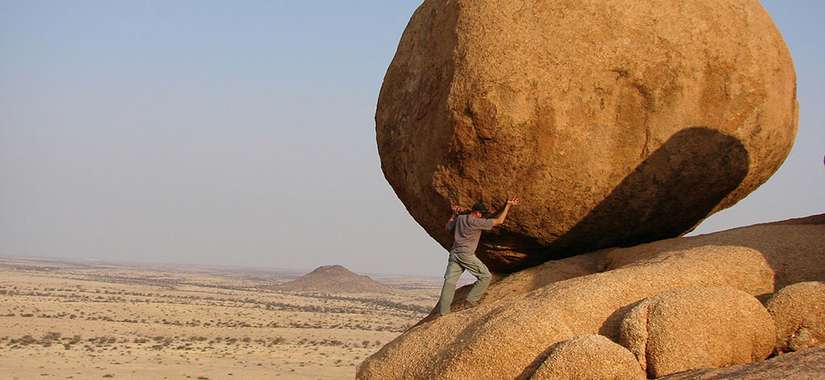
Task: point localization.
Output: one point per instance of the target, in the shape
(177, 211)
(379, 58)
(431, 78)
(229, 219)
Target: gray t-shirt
(467, 231)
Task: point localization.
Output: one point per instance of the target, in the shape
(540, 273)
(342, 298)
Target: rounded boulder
(691, 328)
(799, 313)
(589, 357)
(616, 122)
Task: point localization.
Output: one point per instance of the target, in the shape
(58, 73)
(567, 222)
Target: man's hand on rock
(514, 201)
(458, 209)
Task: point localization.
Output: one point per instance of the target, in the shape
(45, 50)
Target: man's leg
(480, 271)
(448, 290)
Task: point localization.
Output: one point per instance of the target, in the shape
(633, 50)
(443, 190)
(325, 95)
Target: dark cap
(480, 207)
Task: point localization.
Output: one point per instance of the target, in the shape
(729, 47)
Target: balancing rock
(617, 122)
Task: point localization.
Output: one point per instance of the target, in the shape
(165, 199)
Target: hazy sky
(218, 132)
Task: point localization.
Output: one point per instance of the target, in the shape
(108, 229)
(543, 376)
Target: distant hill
(334, 279)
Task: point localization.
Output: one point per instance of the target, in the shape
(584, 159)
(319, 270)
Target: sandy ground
(72, 321)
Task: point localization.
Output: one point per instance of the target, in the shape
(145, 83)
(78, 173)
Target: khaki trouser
(456, 265)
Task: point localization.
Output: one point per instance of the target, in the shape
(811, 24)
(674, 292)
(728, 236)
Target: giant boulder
(617, 122)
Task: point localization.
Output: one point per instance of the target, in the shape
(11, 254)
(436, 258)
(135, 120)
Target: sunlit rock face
(617, 122)
(624, 294)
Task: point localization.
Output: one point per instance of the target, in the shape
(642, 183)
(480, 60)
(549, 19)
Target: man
(466, 230)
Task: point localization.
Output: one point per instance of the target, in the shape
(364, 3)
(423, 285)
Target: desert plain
(70, 320)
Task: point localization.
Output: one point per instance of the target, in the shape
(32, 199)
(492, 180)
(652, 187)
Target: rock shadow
(667, 195)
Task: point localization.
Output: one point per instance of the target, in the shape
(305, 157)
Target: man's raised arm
(503, 215)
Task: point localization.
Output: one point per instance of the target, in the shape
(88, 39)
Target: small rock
(799, 313)
(589, 357)
(691, 328)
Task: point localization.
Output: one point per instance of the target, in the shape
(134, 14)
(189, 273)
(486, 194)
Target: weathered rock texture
(617, 122)
(793, 248)
(690, 328)
(589, 357)
(799, 312)
(525, 313)
(804, 365)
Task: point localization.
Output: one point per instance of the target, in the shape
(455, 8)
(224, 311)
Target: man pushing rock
(466, 228)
